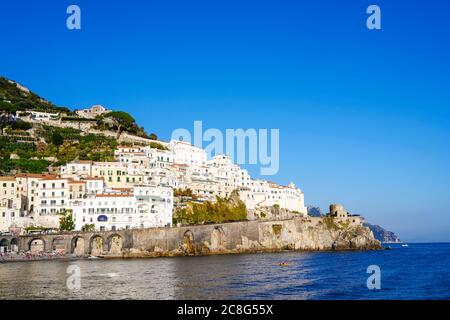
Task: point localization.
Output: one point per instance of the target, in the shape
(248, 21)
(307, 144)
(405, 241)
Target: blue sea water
(420, 271)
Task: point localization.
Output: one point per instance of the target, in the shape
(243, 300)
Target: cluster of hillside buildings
(136, 190)
(91, 113)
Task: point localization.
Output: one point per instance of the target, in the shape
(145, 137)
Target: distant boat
(405, 245)
(283, 264)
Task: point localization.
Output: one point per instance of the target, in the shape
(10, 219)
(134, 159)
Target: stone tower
(337, 210)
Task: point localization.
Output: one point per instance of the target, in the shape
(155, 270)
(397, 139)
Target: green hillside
(13, 99)
(32, 147)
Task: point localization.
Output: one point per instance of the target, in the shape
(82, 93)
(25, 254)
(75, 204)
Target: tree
(121, 119)
(66, 221)
(88, 227)
(57, 139)
(7, 111)
(153, 136)
(21, 125)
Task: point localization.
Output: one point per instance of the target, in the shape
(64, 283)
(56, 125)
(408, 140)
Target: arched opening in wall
(217, 239)
(15, 245)
(59, 245)
(96, 246)
(115, 244)
(188, 242)
(4, 245)
(77, 246)
(36, 245)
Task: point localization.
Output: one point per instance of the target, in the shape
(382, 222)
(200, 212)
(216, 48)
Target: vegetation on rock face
(184, 193)
(29, 166)
(277, 228)
(330, 223)
(30, 147)
(61, 144)
(156, 145)
(223, 210)
(13, 99)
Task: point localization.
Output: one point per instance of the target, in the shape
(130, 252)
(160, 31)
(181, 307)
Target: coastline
(70, 257)
(246, 237)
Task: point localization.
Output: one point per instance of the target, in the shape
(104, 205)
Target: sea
(419, 271)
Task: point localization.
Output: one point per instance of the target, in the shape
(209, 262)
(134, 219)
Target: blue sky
(364, 116)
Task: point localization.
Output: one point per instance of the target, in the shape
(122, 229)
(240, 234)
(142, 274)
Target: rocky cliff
(297, 234)
(382, 234)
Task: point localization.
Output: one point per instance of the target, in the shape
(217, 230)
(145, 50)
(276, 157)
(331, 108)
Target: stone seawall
(302, 234)
(307, 234)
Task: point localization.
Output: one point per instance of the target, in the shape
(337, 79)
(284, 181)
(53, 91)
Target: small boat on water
(283, 264)
(405, 245)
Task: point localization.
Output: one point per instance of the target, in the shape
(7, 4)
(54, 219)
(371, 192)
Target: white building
(77, 169)
(94, 185)
(9, 202)
(262, 193)
(43, 116)
(156, 203)
(145, 207)
(27, 187)
(185, 153)
(53, 196)
(159, 158)
(181, 166)
(92, 112)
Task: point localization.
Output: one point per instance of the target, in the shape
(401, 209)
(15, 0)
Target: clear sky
(364, 116)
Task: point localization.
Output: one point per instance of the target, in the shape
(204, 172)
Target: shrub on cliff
(223, 210)
(330, 223)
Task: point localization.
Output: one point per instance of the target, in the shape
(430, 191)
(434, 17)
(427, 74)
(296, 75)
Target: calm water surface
(421, 271)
